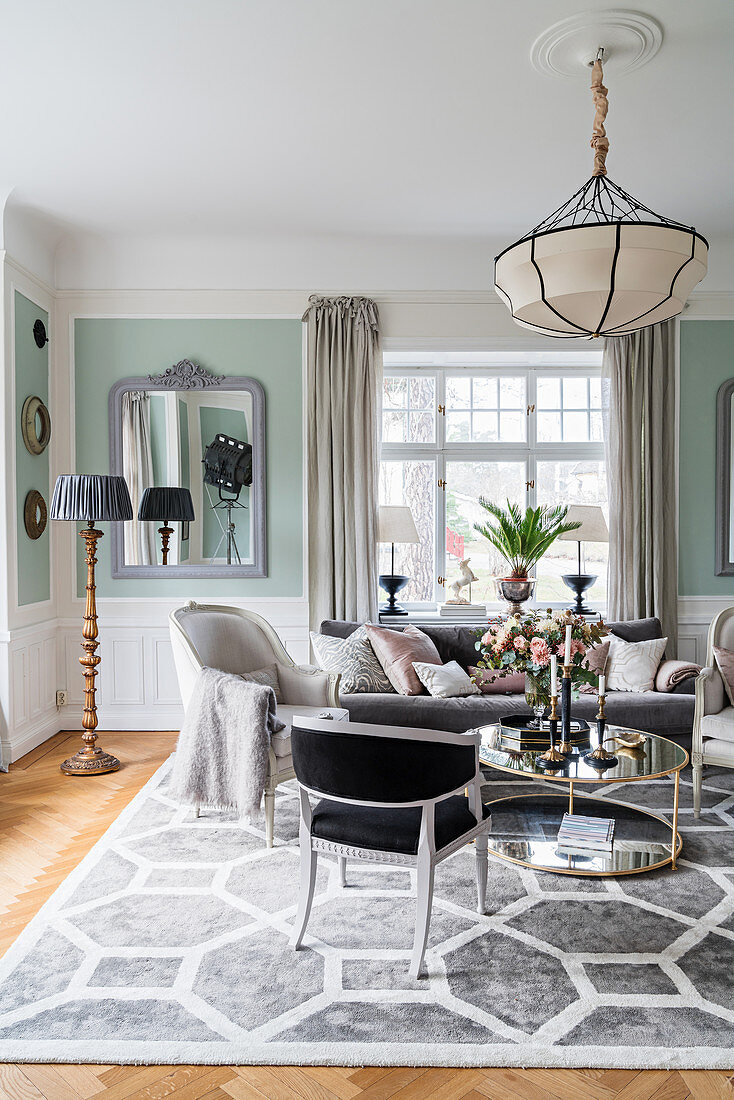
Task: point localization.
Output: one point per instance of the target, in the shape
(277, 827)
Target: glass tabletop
(655, 756)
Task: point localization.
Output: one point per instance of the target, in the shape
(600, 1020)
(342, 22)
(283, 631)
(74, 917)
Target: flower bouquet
(526, 642)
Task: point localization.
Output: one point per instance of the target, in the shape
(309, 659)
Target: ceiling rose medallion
(603, 263)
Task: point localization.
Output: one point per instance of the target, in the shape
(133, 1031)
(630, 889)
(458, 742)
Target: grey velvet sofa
(668, 713)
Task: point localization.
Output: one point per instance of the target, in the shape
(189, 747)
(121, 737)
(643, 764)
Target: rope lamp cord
(599, 140)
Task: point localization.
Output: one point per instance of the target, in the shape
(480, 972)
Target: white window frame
(530, 452)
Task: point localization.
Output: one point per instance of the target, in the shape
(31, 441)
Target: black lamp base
(392, 584)
(578, 583)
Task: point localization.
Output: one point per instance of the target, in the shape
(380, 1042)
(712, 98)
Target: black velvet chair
(387, 795)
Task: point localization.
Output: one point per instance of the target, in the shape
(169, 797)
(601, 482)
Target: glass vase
(537, 696)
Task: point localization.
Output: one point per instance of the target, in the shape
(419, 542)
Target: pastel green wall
(107, 349)
(706, 360)
(31, 471)
(158, 438)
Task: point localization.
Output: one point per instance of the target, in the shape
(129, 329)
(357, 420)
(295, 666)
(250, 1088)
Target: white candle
(602, 683)
(554, 674)
(567, 651)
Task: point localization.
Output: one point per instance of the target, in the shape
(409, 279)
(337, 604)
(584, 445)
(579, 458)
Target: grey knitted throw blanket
(221, 758)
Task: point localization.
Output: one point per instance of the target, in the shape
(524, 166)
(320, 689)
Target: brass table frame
(676, 839)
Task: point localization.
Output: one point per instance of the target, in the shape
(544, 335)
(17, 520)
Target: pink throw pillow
(397, 650)
(489, 681)
(725, 660)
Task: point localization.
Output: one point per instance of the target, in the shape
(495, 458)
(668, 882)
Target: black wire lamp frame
(599, 202)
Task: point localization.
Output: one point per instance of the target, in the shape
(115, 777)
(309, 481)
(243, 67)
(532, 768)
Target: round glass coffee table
(525, 826)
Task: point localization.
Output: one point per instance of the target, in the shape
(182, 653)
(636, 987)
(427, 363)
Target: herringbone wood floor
(49, 821)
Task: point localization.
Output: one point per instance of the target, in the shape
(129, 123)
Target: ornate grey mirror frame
(190, 376)
(724, 481)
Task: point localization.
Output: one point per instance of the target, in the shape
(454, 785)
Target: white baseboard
(32, 736)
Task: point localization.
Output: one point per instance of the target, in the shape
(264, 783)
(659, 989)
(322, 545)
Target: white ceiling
(392, 117)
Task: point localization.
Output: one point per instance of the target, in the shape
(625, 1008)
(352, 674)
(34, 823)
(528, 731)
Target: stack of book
(585, 834)
(475, 612)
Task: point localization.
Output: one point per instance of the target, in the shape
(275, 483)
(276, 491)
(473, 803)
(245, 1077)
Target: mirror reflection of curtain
(137, 467)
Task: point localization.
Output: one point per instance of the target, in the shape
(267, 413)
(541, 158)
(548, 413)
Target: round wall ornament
(35, 514)
(35, 425)
(39, 333)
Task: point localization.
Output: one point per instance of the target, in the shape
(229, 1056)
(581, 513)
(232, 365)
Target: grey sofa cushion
(652, 712)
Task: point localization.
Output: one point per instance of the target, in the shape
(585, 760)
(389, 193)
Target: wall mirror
(187, 429)
(724, 480)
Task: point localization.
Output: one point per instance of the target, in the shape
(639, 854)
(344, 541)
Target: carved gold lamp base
(90, 762)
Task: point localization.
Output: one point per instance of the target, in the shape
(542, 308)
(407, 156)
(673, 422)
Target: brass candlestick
(91, 760)
(553, 759)
(600, 757)
(565, 746)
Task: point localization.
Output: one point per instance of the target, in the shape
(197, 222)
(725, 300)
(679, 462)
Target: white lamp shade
(593, 525)
(600, 280)
(396, 524)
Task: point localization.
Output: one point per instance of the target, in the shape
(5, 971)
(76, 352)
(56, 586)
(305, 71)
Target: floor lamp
(166, 502)
(90, 497)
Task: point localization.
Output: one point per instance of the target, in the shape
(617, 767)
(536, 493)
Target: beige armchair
(713, 719)
(234, 640)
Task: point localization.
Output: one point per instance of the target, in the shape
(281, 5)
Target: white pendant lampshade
(603, 264)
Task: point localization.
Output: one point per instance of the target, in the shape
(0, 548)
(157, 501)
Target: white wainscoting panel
(694, 618)
(32, 714)
(137, 687)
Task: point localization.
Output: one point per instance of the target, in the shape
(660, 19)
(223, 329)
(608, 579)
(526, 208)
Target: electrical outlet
(61, 698)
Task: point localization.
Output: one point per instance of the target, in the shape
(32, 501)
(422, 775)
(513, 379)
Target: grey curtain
(344, 371)
(639, 396)
(137, 468)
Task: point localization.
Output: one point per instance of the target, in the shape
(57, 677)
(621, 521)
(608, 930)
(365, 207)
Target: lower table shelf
(525, 827)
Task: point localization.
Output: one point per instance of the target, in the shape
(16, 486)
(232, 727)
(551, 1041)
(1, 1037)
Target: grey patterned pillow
(355, 659)
(267, 676)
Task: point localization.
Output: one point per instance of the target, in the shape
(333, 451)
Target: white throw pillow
(632, 666)
(445, 681)
(267, 676)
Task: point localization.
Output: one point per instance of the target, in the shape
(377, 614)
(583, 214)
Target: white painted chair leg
(482, 860)
(342, 870)
(309, 865)
(422, 920)
(697, 785)
(269, 818)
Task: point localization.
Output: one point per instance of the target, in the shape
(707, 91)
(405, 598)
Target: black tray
(516, 734)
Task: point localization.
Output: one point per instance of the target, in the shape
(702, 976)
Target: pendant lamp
(603, 263)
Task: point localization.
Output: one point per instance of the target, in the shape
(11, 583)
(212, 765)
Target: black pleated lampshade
(91, 497)
(166, 502)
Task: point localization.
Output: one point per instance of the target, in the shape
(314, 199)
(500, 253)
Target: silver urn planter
(516, 590)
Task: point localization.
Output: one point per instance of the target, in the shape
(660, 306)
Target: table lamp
(395, 524)
(166, 502)
(593, 529)
(90, 497)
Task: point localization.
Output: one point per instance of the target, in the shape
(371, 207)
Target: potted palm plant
(522, 540)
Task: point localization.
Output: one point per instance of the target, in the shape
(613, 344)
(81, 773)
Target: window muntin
(569, 408)
(469, 459)
(409, 408)
(485, 408)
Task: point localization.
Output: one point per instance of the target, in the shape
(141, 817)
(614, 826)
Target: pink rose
(540, 651)
(488, 638)
(520, 643)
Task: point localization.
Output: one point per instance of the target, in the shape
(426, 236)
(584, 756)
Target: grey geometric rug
(169, 943)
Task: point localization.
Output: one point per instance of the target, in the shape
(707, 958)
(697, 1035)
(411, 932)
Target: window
(455, 431)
